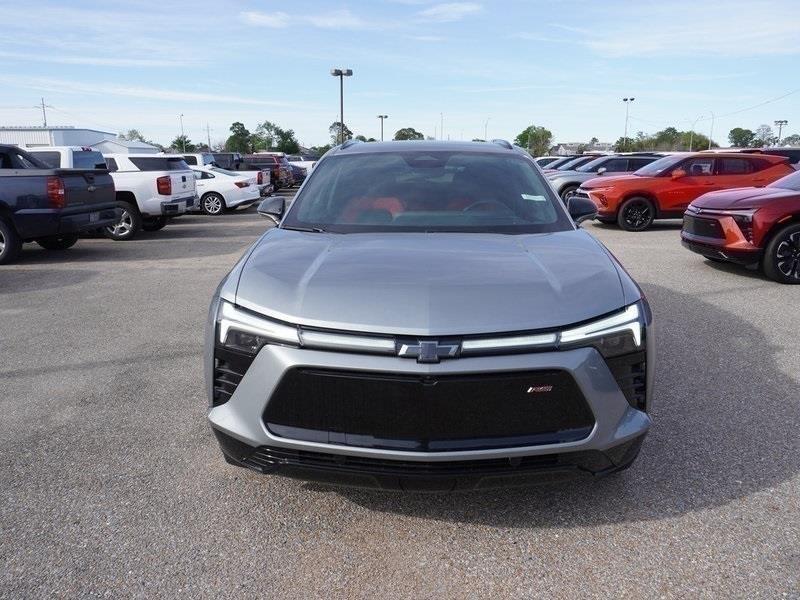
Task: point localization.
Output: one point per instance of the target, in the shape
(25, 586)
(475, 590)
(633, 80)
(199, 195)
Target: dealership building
(105, 141)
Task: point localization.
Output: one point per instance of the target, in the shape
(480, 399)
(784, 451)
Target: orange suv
(664, 188)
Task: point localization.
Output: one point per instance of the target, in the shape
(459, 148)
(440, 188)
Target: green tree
(536, 139)
(239, 140)
(408, 133)
(765, 136)
(791, 140)
(265, 136)
(335, 131)
(320, 150)
(593, 142)
(286, 142)
(183, 144)
(741, 138)
(361, 138)
(132, 135)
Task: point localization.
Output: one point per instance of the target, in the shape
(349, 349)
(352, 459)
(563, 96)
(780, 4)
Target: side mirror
(273, 209)
(678, 173)
(601, 170)
(581, 209)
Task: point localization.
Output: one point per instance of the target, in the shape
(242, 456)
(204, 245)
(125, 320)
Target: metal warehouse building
(28, 137)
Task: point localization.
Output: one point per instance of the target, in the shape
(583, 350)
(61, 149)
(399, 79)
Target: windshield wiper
(307, 229)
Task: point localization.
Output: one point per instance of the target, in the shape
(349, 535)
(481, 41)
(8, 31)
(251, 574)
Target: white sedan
(220, 189)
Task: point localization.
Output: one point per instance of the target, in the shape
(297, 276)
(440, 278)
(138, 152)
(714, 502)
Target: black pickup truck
(49, 206)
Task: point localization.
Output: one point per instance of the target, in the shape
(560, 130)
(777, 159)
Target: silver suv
(428, 316)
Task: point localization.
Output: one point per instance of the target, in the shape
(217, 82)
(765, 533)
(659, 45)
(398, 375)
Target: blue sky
(563, 64)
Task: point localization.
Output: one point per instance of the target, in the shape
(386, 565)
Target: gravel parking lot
(112, 484)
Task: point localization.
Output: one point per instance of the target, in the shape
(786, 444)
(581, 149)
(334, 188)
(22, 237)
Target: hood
(430, 284)
(605, 180)
(578, 176)
(741, 198)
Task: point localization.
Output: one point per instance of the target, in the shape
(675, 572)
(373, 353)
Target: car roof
(355, 147)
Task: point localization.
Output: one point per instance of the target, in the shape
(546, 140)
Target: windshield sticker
(534, 198)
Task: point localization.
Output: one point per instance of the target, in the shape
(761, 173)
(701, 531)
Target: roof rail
(350, 142)
(503, 143)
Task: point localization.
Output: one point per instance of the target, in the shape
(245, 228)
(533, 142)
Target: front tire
(782, 255)
(128, 225)
(58, 242)
(636, 214)
(154, 223)
(212, 204)
(10, 243)
(568, 191)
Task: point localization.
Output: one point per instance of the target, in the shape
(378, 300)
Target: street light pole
(486, 128)
(441, 125)
(382, 117)
(341, 74)
(780, 124)
(711, 133)
(627, 102)
(183, 137)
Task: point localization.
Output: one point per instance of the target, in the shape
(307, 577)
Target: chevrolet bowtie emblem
(428, 351)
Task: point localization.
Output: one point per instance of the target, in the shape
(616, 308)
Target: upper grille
(703, 227)
(429, 413)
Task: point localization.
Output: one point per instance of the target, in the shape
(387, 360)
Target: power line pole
(208, 136)
(441, 127)
(43, 106)
(780, 124)
(183, 137)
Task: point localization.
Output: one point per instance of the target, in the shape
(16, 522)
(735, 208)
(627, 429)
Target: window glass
(790, 182)
(51, 159)
(638, 163)
(87, 159)
(616, 164)
(160, 163)
(112, 164)
(699, 167)
(734, 166)
(190, 160)
(428, 192)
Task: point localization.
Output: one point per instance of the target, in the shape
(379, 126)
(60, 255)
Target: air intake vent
(630, 371)
(229, 368)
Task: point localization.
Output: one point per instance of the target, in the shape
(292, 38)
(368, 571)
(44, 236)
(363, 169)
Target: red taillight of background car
(164, 185)
(260, 178)
(241, 184)
(55, 192)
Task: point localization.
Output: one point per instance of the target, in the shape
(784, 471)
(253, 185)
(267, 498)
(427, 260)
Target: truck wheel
(58, 242)
(10, 243)
(153, 223)
(636, 214)
(212, 204)
(127, 226)
(782, 255)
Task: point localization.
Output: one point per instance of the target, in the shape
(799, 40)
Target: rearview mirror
(273, 209)
(601, 170)
(678, 173)
(581, 209)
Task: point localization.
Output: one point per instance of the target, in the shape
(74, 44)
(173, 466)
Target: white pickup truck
(69, 157)
(260, 178)
(151, 188)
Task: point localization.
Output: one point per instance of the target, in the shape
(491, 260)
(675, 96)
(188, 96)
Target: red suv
(664, 188)
(748, 226)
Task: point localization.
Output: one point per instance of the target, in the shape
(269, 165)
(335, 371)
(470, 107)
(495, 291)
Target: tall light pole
(441, 125)
(183, 137)
(780, 124)
(486, 128)
(627, 102)
(341, 74)
(711, 133)
(382, 117)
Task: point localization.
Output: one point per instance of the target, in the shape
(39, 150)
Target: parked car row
(740, 207)
(52, 194)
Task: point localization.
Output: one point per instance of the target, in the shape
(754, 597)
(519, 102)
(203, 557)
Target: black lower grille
(630, 371)
(229, 368)
(429, 413)
(703, 227)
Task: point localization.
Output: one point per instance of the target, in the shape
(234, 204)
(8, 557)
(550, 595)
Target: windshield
(657, 167)
(427, 191)
(559, 161)
(575, 163)
(790, 182)
(592, 165)
(88, 159)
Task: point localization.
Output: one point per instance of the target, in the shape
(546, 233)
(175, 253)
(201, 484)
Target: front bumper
(611, 444)
(718, 237)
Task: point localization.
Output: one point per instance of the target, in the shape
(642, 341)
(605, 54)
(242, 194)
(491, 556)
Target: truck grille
(428, 413)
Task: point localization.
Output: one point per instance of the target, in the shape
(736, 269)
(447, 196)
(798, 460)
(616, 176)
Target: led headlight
(620, 333)
(246, 332)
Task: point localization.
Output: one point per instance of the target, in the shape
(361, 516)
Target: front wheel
(782, 255)
(212, 204)
(636, 214)
(10, 243)
(58, 242)
(154, 223)
(129, 223)
(568, 191)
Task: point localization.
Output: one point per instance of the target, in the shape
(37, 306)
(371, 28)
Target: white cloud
(276, 20)
(427, 38)
(450, 11)
(340, 19)
(103, 89)
(95, 60)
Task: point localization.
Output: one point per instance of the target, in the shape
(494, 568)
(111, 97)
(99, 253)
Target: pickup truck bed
(50, 206)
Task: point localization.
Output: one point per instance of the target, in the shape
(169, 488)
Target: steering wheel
(487, 203)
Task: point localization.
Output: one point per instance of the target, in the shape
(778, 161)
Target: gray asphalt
(111, 484)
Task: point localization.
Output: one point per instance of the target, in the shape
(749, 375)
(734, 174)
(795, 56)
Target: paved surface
(111, 484)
